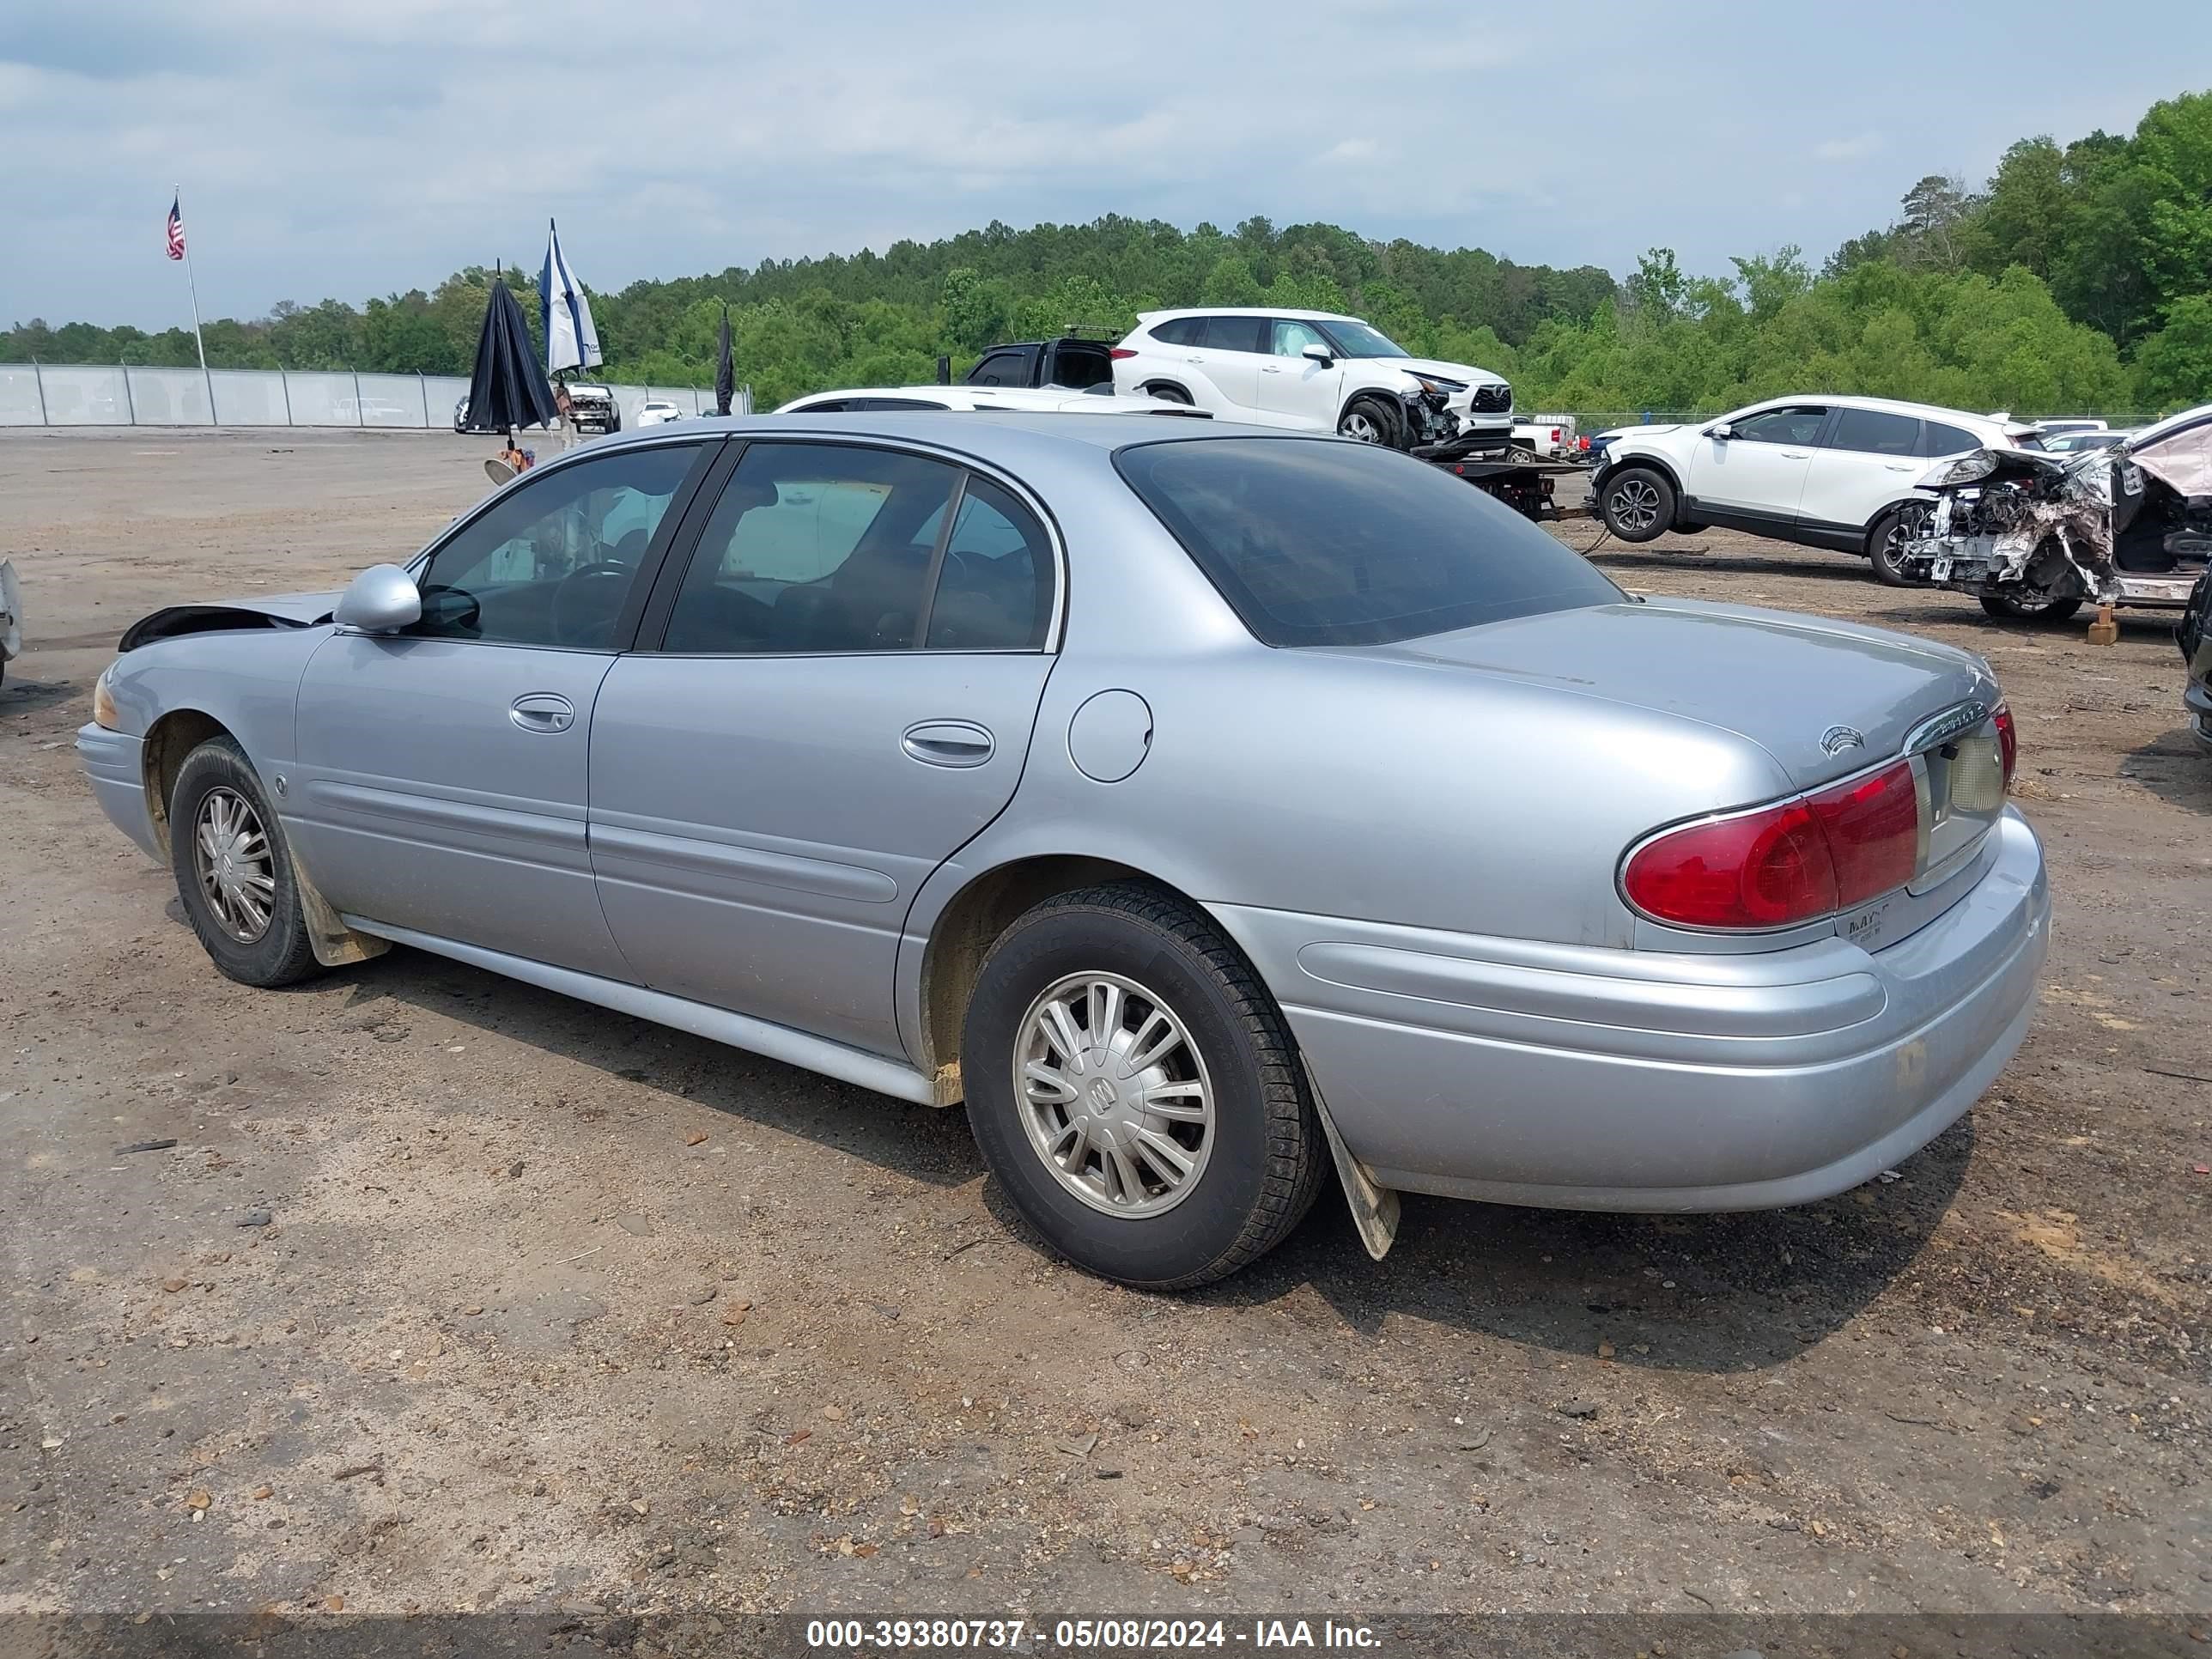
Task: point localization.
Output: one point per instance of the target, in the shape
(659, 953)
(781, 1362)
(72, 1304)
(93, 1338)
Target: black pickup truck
(1071, 362)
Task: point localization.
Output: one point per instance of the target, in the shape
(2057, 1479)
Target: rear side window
(1236, 334)
(1001, 368)
(1079, 368)
(1945, 439)
(1876, 431)
(1180, 332)
(1314, 541)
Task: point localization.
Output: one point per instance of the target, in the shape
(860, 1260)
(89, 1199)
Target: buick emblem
(1837, 739)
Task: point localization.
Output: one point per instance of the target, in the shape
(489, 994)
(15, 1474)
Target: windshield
(1316, 542)
(1358, 340)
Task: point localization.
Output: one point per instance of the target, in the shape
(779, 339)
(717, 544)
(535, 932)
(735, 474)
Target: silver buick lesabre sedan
(1209, 809)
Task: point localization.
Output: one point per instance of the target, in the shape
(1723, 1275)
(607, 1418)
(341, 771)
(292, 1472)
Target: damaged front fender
(2011, 518)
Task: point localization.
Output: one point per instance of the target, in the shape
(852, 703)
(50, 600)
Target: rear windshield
(1320, 542)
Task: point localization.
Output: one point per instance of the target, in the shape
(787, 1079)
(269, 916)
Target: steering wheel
(568, 628)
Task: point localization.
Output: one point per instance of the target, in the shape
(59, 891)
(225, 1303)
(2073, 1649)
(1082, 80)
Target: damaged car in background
(11, 615)
(2035, 535)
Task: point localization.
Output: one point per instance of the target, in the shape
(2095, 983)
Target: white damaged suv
(1836, 472)
(1313, 371)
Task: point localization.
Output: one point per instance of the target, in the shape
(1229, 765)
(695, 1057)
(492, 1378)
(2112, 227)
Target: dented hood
(220, 616)
(1781, 680)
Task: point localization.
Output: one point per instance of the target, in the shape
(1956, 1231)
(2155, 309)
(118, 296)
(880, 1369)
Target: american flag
(176, 231)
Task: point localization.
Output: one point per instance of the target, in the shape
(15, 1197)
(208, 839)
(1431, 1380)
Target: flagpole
(192, 285)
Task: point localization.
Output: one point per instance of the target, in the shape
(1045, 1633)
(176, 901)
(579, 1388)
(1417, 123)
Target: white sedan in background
(1046, 400)
(658, 411)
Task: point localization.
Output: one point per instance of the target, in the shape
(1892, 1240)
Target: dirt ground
(553, 1307)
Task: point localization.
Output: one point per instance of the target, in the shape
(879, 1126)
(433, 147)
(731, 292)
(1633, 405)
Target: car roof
(1291, 312)
(1006, 440)
(1893, 406)
(970, 398)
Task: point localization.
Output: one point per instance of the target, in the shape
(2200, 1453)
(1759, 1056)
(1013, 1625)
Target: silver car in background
(1205, 807)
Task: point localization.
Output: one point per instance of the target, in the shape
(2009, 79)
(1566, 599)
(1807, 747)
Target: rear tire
(234, 869)
(2005, 607)
(1637, 504)
(1372, 421)
(1520, 456)
(1172, 394)
(1053, 1088)
(1886, 541)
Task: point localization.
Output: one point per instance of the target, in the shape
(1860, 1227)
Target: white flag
(571, 339)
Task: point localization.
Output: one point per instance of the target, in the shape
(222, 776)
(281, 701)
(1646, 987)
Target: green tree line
(2078, 278)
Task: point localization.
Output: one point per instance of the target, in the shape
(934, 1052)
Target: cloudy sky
(374, 145)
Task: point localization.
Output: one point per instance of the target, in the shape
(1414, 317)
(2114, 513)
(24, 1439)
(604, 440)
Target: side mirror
(1720, 429)
(382, 599)
(1319, 354)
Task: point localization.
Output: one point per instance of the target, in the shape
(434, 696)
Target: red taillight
(1784, 863)
(1121, 353)
(1555, 434)
(2008, 742)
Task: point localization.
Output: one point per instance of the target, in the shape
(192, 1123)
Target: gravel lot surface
(552, 1307)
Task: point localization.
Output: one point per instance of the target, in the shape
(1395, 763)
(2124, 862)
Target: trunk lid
(1796, 686)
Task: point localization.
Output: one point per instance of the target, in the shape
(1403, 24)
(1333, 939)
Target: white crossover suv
(1839, 472)
(1316, 372)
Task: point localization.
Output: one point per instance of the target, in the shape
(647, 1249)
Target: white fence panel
(62, 394)
(156, 396)
(19, 397)
(87, 396)
(322, 398)
(444, 392)
(393, 400)
(250, 397)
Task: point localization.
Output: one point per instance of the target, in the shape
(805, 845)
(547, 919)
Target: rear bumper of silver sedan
(1579, 1078)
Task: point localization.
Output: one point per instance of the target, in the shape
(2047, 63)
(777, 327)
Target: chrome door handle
(1899, 466)
(542, 711)
(1271, 368)
(1797, 455)
(948, 743)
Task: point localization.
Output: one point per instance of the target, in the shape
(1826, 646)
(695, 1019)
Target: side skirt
(759, 1037)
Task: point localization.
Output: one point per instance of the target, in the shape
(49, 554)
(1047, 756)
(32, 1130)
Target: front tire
(1136, 1091)
(1372, 421)
(2008, 606)
(1637, 504)
(1886, 542)
(234, 869)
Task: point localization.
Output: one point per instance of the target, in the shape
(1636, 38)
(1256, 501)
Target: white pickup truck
(1543, 438)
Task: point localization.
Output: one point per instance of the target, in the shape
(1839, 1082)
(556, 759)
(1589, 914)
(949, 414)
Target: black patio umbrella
(508, 388)
(726, 372)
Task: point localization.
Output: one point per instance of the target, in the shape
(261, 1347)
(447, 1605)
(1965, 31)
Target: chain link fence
(77, 394)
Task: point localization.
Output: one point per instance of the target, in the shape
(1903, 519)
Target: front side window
(1780, 426)
(1356, 340)
(1002, 368)
(1292, 337)
(1313, 542)
(1876, 432)
(555, 560)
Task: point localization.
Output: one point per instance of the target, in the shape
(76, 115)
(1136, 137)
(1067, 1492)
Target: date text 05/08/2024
(1095, 1635)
